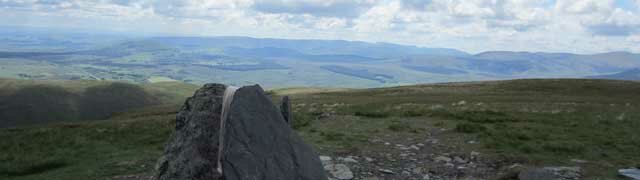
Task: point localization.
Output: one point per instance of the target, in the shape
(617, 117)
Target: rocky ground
(437, 155)
(434, 157)
(430, 157)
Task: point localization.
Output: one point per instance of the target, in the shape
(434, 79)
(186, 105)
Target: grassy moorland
(535, 122)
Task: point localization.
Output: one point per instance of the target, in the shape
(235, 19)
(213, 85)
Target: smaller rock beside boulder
(339, 171)
(633, 173)
(336, 170)
(285, 109)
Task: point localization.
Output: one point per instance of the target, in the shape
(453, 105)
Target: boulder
(257, 141)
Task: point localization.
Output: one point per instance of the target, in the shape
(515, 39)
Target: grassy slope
(545, 122)
(169, 92)
(40, 96)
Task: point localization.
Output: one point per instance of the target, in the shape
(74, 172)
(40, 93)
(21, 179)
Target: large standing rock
(258, 143)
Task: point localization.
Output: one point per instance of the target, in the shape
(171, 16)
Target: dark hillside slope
(38, 104)
(100, 102)
(33, 102)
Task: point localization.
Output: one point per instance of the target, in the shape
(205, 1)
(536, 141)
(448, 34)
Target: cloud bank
(581, 26)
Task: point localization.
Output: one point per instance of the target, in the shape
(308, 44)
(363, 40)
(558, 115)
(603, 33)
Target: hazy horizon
(583, 27)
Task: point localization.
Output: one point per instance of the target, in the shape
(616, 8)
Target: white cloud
(470, 9)
(377, 19)
(473, 25)
(585, 6)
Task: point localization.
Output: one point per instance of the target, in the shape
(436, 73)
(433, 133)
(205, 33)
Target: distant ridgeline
(287, 62)
(41, 103)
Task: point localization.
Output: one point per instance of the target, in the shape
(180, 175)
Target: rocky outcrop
(258, 143)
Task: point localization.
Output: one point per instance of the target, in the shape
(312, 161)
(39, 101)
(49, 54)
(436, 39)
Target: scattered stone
(558, 173)
(406, 173)
(325, 115)
(516, 166)
(368, 159)
(417, 170)
(511, 172)
(436, 107)
(474, 154)
(385, 171)
(348, 160)
(442, 159)
(632, 173)
(449, 164)
(459, 160)
(414, 147)
(579, 161)
(420, 144)
(432, 141)
(339, 171)
(426, 177)
(326, 160)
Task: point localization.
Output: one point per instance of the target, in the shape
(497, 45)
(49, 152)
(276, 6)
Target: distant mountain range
(286, 62)
(274, 47)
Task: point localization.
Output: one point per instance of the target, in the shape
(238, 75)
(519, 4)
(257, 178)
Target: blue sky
(579, 26)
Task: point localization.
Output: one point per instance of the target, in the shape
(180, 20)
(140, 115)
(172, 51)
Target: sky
(577, 26)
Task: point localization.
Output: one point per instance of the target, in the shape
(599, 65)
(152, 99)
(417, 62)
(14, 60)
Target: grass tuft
(372, 114)
(470, 127)
(31, 167)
